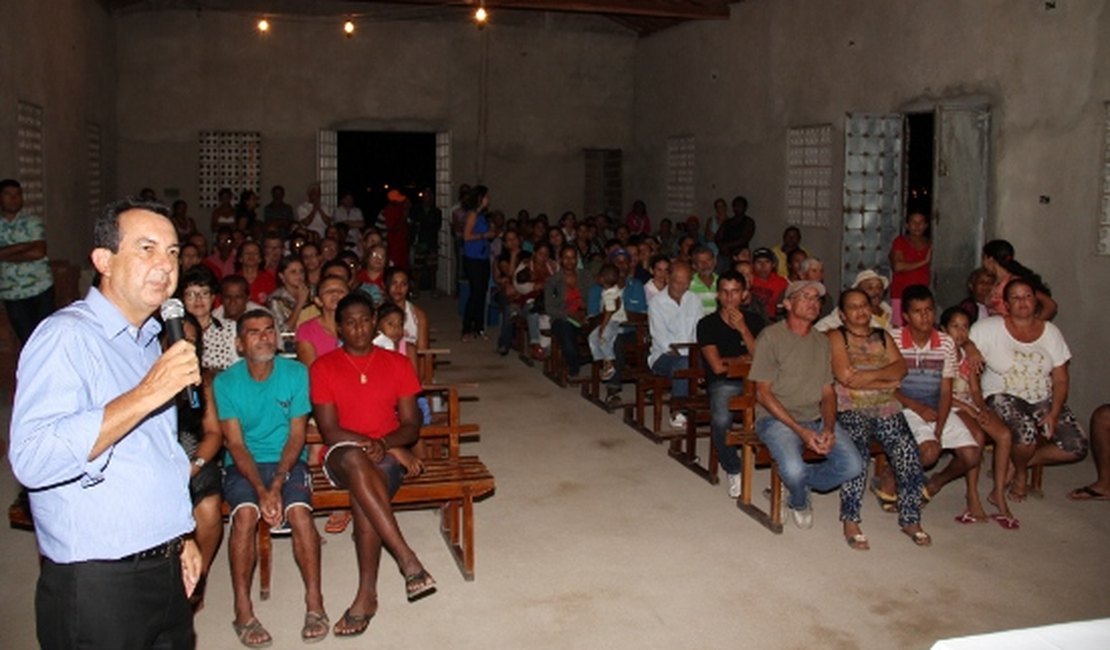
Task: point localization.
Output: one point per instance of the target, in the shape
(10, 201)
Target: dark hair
(9, 182)
(387, 277)
(794, 228)
(915, 293)
(106, 230)
(699, 249)
(740, 199)
(224, 191)
(199, 276)
(179, 202)
(947, 315)
(351, 300)
(732, 275)
(474, 197)
(234, 278)
(657, 258)
(1016, 281)
(609, 270)
(1002, 252)
(251, 314)
(335, 263)
(286, 261)
(387, 309)
(567, 247)
(847, 292)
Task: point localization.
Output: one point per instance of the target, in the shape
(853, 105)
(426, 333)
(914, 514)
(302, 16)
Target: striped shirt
(926, 366)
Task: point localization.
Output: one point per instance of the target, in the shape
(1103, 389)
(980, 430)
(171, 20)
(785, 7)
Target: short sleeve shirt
(712, 330)
(797, 367)
(19, 280)
(369, 409)
(1015, 368)
(264, 409)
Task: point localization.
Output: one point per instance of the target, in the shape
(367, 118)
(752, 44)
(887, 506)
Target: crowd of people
(307, 311)
(881, 362)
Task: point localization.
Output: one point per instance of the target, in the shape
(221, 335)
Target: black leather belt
(168, 549)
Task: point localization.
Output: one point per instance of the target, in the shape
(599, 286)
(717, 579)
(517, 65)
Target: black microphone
(173, 315)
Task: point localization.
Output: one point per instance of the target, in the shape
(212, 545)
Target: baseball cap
(801, 285)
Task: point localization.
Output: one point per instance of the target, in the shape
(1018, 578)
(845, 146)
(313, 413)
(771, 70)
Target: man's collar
(113, 321)
(907, 338)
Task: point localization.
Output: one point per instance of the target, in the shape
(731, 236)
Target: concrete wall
(60, 56)
(737, 86)
(554, 85)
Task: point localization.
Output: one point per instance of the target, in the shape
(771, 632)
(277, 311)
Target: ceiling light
(263, 25)
(349, 28)
(481, 16)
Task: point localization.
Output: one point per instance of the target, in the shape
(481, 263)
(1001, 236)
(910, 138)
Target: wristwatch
(199, 462)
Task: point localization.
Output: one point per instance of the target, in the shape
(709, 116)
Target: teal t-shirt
(263, 408)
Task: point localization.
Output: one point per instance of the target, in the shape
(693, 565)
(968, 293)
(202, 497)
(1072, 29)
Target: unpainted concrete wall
(738, 85)
(554, 87)
(60, 55)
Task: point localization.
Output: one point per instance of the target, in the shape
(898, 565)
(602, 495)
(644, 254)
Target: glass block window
(445, 196)
(604, 182)
(327, 157)
(809, 175)
(32, 165)
(96, 191)
(1104, 223)
(680, 177)
(228, 159)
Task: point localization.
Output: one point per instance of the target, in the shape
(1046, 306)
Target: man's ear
(100, 258)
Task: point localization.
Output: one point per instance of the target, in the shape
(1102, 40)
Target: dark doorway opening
(370, 163)
(920, 128)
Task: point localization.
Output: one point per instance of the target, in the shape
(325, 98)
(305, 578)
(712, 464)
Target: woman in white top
(397, 287)
(1026, 383)
(660, 267)
(198, 292)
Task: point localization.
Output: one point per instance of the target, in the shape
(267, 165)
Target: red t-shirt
(371, 408)
(264, 284)
(906, 278)
(769, 292)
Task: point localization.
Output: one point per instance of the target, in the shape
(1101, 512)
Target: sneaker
(613, 398)
(607, 372)
(678, 421)
(734, 486)
(803, 518)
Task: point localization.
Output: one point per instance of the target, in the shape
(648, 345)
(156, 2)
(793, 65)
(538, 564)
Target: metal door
(960, 193)
(872, 192)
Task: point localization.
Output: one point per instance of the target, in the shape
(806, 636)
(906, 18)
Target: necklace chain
(361, 371)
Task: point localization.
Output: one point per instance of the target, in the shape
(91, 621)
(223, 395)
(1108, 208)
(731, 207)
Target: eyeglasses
(377, 256)
(199, 294)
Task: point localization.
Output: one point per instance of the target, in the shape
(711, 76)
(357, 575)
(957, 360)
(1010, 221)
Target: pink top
(312, 331)
(903, 279)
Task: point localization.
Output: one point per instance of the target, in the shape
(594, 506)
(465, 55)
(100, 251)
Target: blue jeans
(566, 333)
(666, 365)
(720, 421)
(841, 464)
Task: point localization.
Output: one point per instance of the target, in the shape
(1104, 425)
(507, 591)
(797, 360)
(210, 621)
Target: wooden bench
(450, 481)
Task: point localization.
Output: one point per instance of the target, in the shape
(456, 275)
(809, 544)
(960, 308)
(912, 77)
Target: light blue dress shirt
(133, 496)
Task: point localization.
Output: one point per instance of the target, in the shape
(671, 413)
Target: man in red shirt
(767, 285)
(364, 400)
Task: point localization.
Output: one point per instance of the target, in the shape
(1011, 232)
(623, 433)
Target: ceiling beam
(681, 9)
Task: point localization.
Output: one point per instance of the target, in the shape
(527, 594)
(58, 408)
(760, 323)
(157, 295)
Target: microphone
(173, 316)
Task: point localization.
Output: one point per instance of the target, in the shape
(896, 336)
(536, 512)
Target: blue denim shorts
(297, 491)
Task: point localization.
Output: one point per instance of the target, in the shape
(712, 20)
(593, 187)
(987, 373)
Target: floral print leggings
(901, 451)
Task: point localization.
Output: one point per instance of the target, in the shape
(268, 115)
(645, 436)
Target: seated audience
(198, 292)
(791, 241)
(979, 286)
(704, 284)
(727, 336)
(868, 369)
(565, 302)
(673, 319)
(926, 395)
(660, 274)
(767, 286)
(289, 300)
(793, 378)
(998, 260)
(874, 285)
(369, 426)
(1026, 383)
(263, 408)
(632, 300)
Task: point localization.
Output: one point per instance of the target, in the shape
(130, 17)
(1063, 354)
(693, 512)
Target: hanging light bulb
(481, 16)
(349, 28)
(263, 25)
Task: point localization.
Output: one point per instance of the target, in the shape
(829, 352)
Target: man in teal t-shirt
(263, 405)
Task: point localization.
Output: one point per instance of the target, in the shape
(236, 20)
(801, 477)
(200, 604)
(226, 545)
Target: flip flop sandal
(314, 622)
(353, 624)
(418, 585)
(968, 518)
(337, 522)
(858, 542)
(1007, 522)
(1087, 493)
(920, 538)
(253, 628)
(887, 501)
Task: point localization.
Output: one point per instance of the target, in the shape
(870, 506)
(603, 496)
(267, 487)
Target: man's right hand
(177, 368)
(269, 501)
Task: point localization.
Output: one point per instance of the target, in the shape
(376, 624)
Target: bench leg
(457, 528)
(265, 559)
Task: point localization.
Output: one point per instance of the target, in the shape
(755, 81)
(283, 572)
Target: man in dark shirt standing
(727, 336)
(735, 233)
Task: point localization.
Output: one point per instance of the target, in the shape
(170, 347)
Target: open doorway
(919, 162)
(370, 163)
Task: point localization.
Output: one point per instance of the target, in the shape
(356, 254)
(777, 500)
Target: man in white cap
(874, 285)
